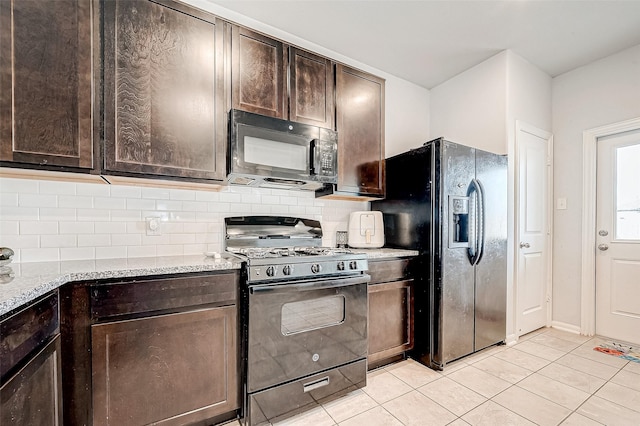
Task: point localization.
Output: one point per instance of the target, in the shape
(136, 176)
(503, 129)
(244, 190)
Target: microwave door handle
(312, 157)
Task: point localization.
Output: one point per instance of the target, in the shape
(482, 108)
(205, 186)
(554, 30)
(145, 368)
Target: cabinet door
(164, 90)
(390, 319)
(258, 73)
(360, 126)
(169, 369)
(311, 88)
(33, 396)
(46, 98)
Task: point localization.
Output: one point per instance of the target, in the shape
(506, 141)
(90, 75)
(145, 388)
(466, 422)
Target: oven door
(300, 328)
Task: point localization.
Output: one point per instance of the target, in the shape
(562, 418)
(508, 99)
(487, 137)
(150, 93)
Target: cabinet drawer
(134, 297)
(26, 330)
(389, 270)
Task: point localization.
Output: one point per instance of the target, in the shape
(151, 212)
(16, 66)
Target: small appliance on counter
(366, 229)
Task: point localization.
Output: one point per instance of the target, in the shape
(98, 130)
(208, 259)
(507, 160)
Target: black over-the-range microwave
(270, 152)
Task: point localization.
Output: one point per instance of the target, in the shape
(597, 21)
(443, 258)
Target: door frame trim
(548, 136)
(589, 181)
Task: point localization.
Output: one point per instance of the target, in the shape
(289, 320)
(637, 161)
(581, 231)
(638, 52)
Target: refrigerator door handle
(481, 215)
(475, 252)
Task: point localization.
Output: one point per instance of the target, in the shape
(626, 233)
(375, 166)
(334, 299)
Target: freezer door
(453, 287)
(491, 270)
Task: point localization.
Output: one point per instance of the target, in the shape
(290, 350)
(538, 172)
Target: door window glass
(312, 314)
(628, 192)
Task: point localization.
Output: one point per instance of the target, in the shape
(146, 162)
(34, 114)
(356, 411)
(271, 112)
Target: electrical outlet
(153, 226)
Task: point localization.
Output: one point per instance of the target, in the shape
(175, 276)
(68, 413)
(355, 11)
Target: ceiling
(428, 41)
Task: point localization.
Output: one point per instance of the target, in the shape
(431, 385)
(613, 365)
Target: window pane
(312, 314)
(628, 192)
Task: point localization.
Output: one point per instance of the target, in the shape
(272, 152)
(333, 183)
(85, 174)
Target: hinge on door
(548, 298)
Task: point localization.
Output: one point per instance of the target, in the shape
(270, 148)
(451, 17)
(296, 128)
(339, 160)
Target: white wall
(406, 104)
(603, 92)
(471, 107)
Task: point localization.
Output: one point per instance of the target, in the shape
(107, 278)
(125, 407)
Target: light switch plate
(561, 203)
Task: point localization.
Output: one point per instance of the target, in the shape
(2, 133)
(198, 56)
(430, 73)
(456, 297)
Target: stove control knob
(315, 268)
(271, 271)
(353, 265)
(341, 266)
(286, 269)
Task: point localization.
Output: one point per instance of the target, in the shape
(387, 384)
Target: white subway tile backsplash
(126, 239)
(21, 241)
(227, 197)
(57, 188)
(140, 204)
(94, 240)
(125, 215)
(207, 196)
(109, 203)
(57, 214)
(78, 221)
(270, 199)
(155, 193)
(168, 205)
(77, 228)
(59, 241)
(19, 213)
(74, 201)
(111, 252)
(37, 200)
(39, 254)
(93, 189)
(19, 186)
(77, 253)
(110, 227)
(182, 195)
(9, 227)
(29, 227)
(169, 250)
(141, 251)
(93, 215)
(126, 191)
(9, 199)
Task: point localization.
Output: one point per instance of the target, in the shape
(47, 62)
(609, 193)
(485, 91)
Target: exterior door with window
(618, 237)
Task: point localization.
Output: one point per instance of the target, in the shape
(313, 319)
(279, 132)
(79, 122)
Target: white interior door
(533, 228)
(618, 239)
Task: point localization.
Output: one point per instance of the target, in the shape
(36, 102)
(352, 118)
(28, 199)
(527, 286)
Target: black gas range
(304, 315)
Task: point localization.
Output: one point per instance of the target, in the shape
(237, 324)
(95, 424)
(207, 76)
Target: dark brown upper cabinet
(277, 80)
(311, 83)
(360, 126)
(164, 90)
(46, 68)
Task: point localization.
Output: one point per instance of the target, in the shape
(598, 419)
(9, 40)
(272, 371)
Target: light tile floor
(549, 377)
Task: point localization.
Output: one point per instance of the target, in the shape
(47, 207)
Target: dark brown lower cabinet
(390, 311)
(167, 369)
(156, 350)
(31, 387)
(33, 396)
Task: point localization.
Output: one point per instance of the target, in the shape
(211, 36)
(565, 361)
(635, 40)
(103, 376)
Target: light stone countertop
(28, 281)
(386, 253)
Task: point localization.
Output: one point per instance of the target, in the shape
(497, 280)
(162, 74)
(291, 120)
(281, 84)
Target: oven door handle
(311, 285)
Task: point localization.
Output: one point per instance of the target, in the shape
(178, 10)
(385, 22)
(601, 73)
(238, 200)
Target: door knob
(603, 247)
(525, 245)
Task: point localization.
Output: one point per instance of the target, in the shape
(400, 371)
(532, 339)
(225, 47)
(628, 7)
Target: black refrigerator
(449, 202)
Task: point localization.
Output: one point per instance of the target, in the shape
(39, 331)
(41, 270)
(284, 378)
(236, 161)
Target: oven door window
(313, 314)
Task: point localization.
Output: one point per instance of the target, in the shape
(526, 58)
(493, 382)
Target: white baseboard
(566, 327)
(511, 340)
